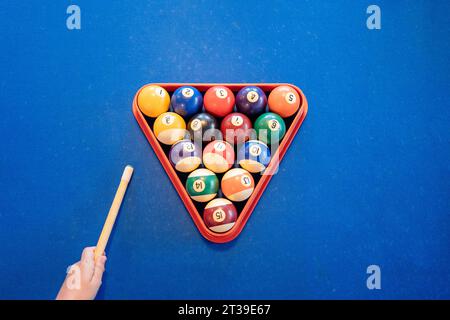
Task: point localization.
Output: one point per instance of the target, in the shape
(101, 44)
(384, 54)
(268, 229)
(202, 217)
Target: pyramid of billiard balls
(218, 141)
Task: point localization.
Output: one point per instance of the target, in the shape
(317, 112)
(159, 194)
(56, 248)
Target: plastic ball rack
(245, 208)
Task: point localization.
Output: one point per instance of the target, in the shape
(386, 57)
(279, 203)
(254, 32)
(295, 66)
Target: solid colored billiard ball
(185, 156)
(187, 101)
(204, 127)
(202, 185)
(218, 156)
(270, 128)
(220, 215)
(254, 156)
(153, 100)
(236, 128)
(237, 184)
(169, 128)
(251, 100)
(219, 101)
(284, 100)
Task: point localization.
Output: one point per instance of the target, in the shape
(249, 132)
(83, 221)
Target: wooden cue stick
(113, 212)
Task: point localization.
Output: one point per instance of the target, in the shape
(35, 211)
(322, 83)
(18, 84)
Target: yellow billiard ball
(169, 128)
(153, 100)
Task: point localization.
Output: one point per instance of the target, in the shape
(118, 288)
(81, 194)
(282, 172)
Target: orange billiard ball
(219, 101)
(284, 100)
(237, 184)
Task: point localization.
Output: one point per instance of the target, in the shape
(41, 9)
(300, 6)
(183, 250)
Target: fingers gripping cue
(113, 211)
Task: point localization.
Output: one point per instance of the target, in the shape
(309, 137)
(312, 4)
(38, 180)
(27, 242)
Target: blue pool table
(365, 181)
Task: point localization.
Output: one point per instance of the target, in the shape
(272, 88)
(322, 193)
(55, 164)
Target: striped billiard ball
(202, 185)
(169, 128)
(185, 156)
(218, 156)
(254, 156)
(237, 184)
(220, 215)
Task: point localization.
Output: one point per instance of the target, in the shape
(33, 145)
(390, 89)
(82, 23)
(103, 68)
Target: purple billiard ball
(185, 156)
(251, 101)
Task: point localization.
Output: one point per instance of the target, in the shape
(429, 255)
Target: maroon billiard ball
(220, 215)
(236, 128)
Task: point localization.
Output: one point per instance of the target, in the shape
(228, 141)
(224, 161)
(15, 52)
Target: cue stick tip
(127, 173)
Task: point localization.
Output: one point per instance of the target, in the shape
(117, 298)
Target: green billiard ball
(270, 127)
(202, 185)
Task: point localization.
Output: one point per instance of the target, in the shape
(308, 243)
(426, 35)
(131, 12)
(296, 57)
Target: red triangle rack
(262, 183)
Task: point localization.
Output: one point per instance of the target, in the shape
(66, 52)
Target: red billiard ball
(219, 101)
(220, 215)
(236, 128)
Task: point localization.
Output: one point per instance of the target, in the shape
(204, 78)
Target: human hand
(83, 278)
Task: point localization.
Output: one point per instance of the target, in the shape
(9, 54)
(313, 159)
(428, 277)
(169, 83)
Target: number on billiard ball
(220, 215)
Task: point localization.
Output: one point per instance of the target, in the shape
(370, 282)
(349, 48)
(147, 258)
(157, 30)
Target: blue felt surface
(366, 180)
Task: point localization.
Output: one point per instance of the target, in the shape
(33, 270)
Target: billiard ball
(270, 128)
(284, 100)
(218, 156)
(253, 156)
(187, 101)
(204, 127)
(153, 100)
(237, 184)
(202, 185)
(185, 156)
(251, 100)
(219, 101)
(236, 128)
(220, 215)
(169, 127)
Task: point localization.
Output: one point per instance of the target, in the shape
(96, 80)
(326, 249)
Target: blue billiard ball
(187, 101)
(251, 101)
(254, 156)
